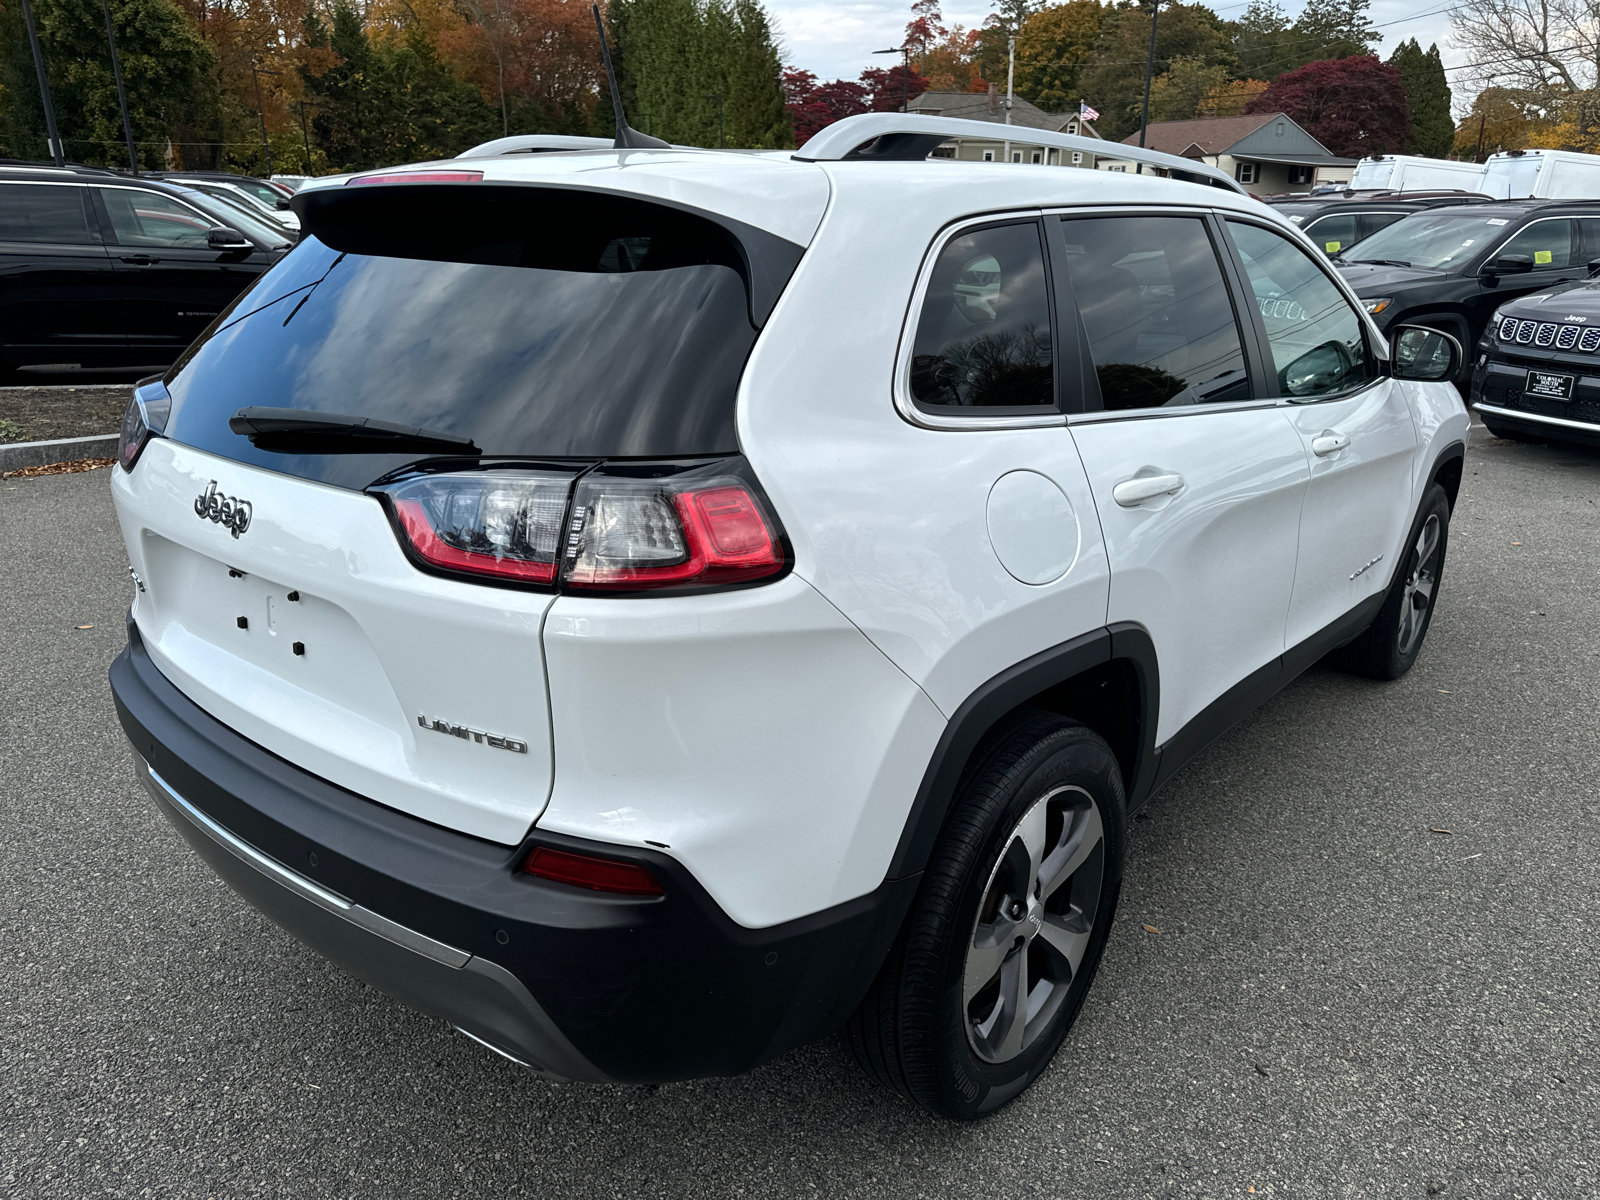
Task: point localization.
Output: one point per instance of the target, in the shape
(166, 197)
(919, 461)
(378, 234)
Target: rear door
(170, 282)
(57, 288)
(1196, 472)
(1353, 420)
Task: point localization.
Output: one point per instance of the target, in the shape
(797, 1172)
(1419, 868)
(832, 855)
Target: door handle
(1135, 491)
(140, 260)
(1329, 442)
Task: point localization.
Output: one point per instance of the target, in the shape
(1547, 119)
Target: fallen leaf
(1151, 929)
(1250, 1190)
(1443, 692)
(1516, 543)
(1435, 829)
(83, 626)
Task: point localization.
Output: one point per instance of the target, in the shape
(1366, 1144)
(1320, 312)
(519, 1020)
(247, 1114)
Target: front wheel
(1002, 945)
(1392, 642)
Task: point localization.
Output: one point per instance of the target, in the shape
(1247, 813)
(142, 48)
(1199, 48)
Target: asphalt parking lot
(1340, 1001)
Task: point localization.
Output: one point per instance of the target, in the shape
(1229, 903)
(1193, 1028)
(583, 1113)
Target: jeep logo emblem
(229, 512)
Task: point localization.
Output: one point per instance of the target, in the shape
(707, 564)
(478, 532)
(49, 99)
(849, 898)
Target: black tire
(911, 1030)
(1392, 642)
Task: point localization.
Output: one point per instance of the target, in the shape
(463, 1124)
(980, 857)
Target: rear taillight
(629, 527)
(144, 418)
(597, 874)
(502, 525)
(633, 534)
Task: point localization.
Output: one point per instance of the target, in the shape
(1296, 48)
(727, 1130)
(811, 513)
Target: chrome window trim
(904, 404)
(1182, 410)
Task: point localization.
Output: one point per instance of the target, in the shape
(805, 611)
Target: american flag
(1086, 113)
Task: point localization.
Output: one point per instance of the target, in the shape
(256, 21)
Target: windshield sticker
(1468, 242)
(1541, 256)
(1330, 247)
(1297, 220)
(1500, 221)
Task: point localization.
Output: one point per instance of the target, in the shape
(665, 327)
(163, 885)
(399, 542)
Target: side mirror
(1424, 354)
(223, 238)
(283, 206)
(1318, 370)
(1512, 264)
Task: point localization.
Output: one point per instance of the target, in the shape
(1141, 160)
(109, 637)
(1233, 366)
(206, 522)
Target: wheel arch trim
(1005, 692)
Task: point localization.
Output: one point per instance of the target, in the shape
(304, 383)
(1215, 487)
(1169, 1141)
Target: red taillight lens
(632, 534)
(597, 874)
(417, 177)
(144, 418)
(500, 524)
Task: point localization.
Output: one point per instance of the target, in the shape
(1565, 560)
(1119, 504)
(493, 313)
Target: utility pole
(305, 135)
(1478, 154)
(1011, 83)
(44, 87)
(722, 141)
(905, 77)
(1149, 68)
(256, 73)
(122, 95)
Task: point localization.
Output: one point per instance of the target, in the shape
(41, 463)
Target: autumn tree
(1500, 119)
(1054, 44)
(1354, 106)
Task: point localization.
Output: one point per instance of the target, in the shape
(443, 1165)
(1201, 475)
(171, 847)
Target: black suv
(101, 269)
(1537, 366)
(1451, 268)
(1336, 223)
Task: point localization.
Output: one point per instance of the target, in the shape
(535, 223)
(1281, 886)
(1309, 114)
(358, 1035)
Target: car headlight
(1377, 306)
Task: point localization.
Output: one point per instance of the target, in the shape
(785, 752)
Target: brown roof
(1206, 135)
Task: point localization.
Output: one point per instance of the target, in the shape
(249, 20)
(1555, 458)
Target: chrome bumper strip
(1495, 411)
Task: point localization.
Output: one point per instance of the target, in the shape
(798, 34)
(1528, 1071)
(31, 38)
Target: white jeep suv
(655, 608)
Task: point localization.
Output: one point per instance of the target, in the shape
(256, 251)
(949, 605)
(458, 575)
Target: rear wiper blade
(273, 428)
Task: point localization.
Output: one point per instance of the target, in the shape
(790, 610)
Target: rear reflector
(597, 874)
(417, 177)
(501, 524)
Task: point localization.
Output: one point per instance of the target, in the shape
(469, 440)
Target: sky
(835, 38)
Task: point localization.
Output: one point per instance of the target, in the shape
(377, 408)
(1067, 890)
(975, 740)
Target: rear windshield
(536, 326)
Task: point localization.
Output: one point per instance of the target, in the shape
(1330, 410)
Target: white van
(1411, 173)
(1546, 174)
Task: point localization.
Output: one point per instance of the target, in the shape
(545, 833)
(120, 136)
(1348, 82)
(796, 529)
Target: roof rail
(535, 143)
(909, 137)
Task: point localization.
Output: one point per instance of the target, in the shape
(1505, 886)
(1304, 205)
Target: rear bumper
(579, 985)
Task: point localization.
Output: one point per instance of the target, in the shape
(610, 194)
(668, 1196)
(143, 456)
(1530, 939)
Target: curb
(38, 454)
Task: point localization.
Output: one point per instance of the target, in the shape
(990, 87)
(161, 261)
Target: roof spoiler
(535, 143)
(909, 137)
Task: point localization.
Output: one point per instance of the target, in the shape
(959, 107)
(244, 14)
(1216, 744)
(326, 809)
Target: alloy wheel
(1419, 586)
(1034, 924)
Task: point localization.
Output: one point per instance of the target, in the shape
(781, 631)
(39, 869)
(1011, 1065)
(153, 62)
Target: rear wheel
(1002, 945)
(1394, 639)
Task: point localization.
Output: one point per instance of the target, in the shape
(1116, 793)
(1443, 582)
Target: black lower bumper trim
(581, 984)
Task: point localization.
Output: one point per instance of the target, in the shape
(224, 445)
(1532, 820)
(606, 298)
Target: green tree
(1433, 130)
(1327, 29)
(1190, 89)
(757, 116)
(1258, 40)
(1052, 47)
(1113, 79)
(165, 65)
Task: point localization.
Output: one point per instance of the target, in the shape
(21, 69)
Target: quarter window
(142, 218)
(983, 339)
(43, 213)
(1548, 243)
(1316, 338)
(1161, 328)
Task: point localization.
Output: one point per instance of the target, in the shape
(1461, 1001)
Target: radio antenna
(628, 138)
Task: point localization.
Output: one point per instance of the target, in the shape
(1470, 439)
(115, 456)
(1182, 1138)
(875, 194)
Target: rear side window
(1156, 311)
(983, 338)
(573, 325)
(42, 212)
(1318, 347)
(140, 218)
